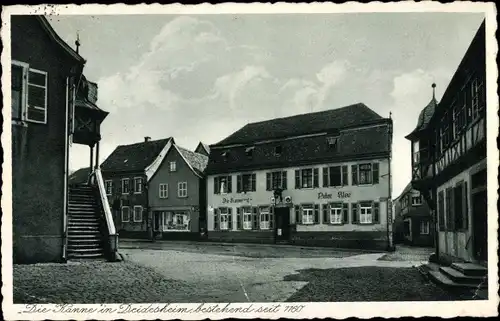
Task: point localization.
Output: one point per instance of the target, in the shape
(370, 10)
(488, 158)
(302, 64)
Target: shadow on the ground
(368, 284)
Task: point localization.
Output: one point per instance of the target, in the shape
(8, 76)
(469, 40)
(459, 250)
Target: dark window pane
(36, 114)
(36, 96)
(36, 78)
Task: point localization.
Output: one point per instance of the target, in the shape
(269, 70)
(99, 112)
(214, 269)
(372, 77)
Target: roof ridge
(150, 141)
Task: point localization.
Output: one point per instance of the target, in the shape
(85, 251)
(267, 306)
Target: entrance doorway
(282, 230)
(480, 225)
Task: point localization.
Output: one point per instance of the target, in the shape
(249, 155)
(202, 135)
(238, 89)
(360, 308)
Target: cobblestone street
(184, 272)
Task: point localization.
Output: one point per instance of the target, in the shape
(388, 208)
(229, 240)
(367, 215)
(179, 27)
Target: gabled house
(126, 172)
(53, 105)
(449, 160)
(80, 176)
(203, 149)
(177, 195)
(413, 221)
(321, 178)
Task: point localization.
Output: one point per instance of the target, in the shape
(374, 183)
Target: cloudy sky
(199, 78)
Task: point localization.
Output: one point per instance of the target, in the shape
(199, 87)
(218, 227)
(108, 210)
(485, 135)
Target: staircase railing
(112, 242)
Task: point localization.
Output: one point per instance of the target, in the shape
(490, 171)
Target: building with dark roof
(126, 172)
(80, 176)
(177, 195)
(202, 149)
(319, 178)
(53, 106)
(412, 219)
(449, 160)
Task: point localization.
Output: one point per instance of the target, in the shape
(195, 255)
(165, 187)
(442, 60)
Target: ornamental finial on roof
(433, 91)
(77, 42)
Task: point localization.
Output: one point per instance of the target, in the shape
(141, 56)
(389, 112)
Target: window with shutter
(441, 213)
(345, 211)
(297, 179)
(375, 173)
(336, 213)
(37, 96)
(354, 213)
(229, 184)
(345, 175)
(216, 219)
(216, 185)
(264, 218)
(297, 214)
(449, 209)
(316, 214)
(268, 181)
(308, 214)
(325, 177)
(271, 217)
(354, 171)
(255, 219)
(238, 218)
(230, 219)
(465, 199)
(316, 177)
(365, 212)
(325, 214)
(376, 212)
(284, 180)
(459, 211)
(239, 184)
(247, 218)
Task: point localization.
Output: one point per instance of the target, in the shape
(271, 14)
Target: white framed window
(247, 218)
(109, 187)
(137, 213)
(264, 218)
(365, 214)
(29, 93)
(365, 174)
(306, 177)
(307, 214)
(173, 166)
(222, 184)
(163, 190)
(336, 213)
(138, 185)
(125, 214)
(176, 221)
(182, 189)
(224, 218)
(416, 200)
(476, 93)
(125, 185)
(245, 183)
(424, 227)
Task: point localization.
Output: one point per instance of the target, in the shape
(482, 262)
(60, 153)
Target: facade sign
(232, 200)
(330, 196)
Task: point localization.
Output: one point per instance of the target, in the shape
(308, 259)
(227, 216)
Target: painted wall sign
(330, 196)
(236, 200)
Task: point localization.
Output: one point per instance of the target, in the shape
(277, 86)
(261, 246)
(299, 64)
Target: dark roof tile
(80, 176)
(134, 157)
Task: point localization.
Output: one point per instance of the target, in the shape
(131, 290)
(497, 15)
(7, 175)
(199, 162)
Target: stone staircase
(85, 240)
(461, 276)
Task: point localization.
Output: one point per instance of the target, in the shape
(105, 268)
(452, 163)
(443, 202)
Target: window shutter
(376, 212)
(465, 200)
(441, 211)
(255, 220)
(239, 218)
(325, 176)
(345, 175)
(316, 214)
(239, 179)
(268, 181)
(354, 170)
(354, 212)
(230, 219)
(297, 179)
(271, 217)
(216, 185)
(345, 213)
(283, 180)
(316, 177)
(449, 210)
(325, 214)
(229, 184)
(216, 219)
(375, 173)
(298, 217)
(254, 183)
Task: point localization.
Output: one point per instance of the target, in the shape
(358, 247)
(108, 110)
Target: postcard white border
(311, 310)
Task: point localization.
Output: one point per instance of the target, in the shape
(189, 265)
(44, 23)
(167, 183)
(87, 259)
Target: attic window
(332, 141)
(249, 151)
(278, 150)
(225, 155)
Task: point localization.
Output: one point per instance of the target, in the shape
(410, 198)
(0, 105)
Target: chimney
(147, 139)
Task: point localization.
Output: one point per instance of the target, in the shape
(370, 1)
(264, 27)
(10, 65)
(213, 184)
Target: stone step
(470, 269)
(76, 233)
(82, 212)
(82, 238)
(76, 228)
(83, 224)
(76, 255)
(83, 218)
(85, 245)
(442, 279)
(81, 204)
(459, 277)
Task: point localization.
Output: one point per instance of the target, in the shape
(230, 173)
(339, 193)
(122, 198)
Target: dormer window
(225, 155)
(249, 151)
(278, 150)
(332, 142)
